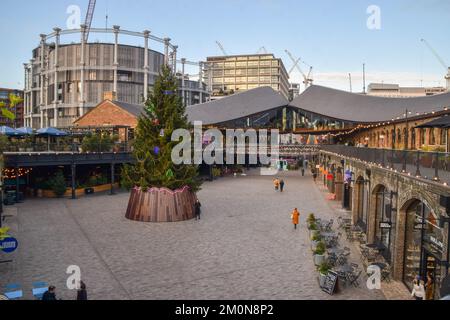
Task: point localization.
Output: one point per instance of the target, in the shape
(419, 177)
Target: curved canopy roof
(363, 108)
(237, 106)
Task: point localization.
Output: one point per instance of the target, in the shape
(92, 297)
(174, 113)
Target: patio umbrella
(26, 131)
(10, 132)
(51, 132)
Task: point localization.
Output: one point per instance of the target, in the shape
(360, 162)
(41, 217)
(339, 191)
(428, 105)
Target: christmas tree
(164, 112)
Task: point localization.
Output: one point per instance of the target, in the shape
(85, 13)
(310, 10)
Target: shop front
(424, 248)
(385, 221)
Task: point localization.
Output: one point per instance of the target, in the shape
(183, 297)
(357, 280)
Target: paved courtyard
(244, 247)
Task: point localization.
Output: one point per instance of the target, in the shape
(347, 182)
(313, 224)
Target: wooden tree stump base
(161, 205)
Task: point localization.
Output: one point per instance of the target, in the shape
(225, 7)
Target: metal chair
(354, 278)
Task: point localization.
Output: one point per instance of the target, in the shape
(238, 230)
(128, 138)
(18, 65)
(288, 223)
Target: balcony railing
(428, 165)
(124, 147)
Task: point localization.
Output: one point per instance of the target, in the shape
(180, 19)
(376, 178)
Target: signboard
(330, 283)
(9, 245)
(385, 225)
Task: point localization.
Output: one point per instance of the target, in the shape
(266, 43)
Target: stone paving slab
(244, 247)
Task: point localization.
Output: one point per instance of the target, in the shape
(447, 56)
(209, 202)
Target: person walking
(295, 216)
(303, 171)
(198, 209)
(82, 292)
(429, 287)
(418, 291)
(50, 294)
(282, 184)
(315, 175)
(276, 183)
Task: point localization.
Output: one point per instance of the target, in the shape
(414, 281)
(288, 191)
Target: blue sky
(332, 36)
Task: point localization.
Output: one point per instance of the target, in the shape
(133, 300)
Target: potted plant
(313, 229)
(323, 269)
(311, 220)
(319, 254)
(315, 240)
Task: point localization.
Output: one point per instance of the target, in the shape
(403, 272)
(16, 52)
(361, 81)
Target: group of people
(50, 294)
(279, 184)
(422, 290)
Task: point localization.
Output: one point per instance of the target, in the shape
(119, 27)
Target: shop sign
(436, 243)
(9, 245)
(385, 225)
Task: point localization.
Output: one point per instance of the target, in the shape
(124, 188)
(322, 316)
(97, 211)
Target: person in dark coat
(82, 292)
(282, 184)
(198, 209)
(50, 294)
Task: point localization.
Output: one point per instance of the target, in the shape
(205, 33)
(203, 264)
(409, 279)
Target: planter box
(322, 279)
(319, 259)
(78, 192)
(314, 245)
(161, 205)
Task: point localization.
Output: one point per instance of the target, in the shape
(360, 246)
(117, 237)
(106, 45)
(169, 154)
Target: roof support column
(42, 80)
(146, 65)
(166, 51)
(82, 65)
(55, 98)
(200, 82)
(183, 81)
(116, 57)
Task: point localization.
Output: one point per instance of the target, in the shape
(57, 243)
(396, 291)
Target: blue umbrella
(51, 132)
(10, 132)
(26, 131)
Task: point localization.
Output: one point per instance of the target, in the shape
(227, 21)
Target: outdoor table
(328, 234)
(335, 251)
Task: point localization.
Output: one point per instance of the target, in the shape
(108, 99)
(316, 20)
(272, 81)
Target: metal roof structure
(443, 122)
(237, 106)
(362, 108)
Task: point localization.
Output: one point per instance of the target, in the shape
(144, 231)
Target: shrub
(58, 184)
(313, 226)
(316, 237)
(4, 143)
(98, 142)
(311, 218)
(320, 249)
(324, 268)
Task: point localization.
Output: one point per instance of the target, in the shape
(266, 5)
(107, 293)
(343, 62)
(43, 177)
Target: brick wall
(107, 114)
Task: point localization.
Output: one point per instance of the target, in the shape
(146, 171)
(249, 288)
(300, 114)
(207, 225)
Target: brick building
(18, 110)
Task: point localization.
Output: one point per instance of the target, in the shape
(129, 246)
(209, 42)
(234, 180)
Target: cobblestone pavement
(245, 246)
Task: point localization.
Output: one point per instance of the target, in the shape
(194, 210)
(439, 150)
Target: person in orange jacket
(276, 183)
(295, 218)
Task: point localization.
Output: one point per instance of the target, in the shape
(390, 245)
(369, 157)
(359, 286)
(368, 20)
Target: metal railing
(429, 165)
(124, 147)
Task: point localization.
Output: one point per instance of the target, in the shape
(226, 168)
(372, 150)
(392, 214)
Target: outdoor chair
(343, 278)
(386, 274)
(354, 278)
(354, 266)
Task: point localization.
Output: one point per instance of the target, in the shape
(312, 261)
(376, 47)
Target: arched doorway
(361, 203)
(385, 221)
(424, 245)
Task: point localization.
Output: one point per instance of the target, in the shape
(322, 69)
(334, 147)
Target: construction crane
(441, 61)
(89, 17)
(262, 50)
(308, 81)
(221, 48)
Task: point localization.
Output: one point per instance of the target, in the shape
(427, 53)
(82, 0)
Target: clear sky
(330, 35)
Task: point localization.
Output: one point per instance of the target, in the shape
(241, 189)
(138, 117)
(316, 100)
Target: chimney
(109, 95)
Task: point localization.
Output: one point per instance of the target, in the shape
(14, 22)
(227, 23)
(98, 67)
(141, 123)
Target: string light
(12, 174)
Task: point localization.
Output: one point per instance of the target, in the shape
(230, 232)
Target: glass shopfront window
(361, 205)
(424, 249)
(385, 221)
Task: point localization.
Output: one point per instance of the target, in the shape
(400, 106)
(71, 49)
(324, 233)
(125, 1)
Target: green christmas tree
(164, 112)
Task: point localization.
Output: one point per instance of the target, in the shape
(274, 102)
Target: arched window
(384, 221)
(405, 137)
(393, 138)
(399, 136)
(432, 140)
(423, 134)
(413, 139)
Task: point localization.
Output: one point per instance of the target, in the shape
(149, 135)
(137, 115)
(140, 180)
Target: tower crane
(89, 17)
(308, 81)
(441, 61)
(221, 48)
(262, 50)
